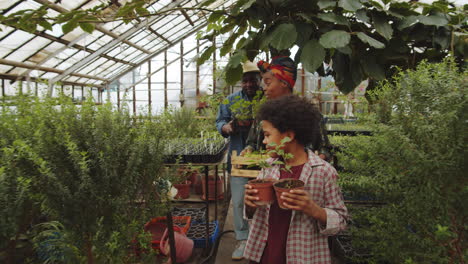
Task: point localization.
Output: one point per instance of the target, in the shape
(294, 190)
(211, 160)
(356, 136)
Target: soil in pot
(285, 185)
(265, 191)
(183, 190)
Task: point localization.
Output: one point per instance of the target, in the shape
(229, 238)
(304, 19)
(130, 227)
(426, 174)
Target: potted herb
(265, 191)
(286, 185)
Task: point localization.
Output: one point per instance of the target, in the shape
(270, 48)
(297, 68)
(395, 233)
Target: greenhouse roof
(96, 59)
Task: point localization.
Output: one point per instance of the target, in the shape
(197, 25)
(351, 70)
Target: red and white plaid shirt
(307, 239)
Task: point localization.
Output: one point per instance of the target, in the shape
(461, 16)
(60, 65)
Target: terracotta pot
(280, 187)
(190, 173)
(211, 188)
(265, 191)
(197, 185)
(183, 190)
(183, 246)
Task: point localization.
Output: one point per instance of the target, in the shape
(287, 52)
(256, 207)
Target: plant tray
(197, 214)
(198, 158)
(346, 250)
(158, 225)
(238, 162)
(197, 233)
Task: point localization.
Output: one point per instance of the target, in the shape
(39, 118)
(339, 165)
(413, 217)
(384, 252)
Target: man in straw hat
(228, 127)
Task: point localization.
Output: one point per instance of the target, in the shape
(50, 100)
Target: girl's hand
(299, 200)
(250, 195)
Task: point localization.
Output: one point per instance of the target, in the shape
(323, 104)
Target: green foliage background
(91, 168)
(416, 163)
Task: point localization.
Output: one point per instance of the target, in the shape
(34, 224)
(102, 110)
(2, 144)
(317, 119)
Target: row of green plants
(77, 182)
(415, 163)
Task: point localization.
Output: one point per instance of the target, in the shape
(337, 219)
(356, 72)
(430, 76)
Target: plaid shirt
(307, 239)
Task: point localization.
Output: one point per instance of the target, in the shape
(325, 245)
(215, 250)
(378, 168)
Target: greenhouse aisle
(228, 242)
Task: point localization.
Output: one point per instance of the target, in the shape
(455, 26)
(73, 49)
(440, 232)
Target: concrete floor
(227, 243)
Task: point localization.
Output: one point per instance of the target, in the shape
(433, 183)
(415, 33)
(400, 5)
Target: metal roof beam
(47, 69)
(107, 46)
(184, 36)
(187, 17)
(14, 77)
(77, 46)
(99, 28)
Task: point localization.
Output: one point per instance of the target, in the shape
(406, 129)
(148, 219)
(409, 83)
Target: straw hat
(249, 66)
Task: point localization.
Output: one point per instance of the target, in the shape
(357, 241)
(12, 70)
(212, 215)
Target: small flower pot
(286, 185)
(183, 190)
(265, 191)
(211, 188)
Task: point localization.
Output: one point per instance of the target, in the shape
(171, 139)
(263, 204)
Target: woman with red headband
(279, 78)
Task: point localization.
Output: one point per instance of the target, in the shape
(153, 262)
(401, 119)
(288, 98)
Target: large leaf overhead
(283, 36)
(313, 55)
(363, 38)
(382, 26)
(350, 5)
(335, 39)
(371, 41)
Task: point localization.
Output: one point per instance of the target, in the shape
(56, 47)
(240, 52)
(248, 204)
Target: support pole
(118, 95)
(134, 94)
(214, 65)
(165, 80)
(182, 97)
(207, 203)
(149, 88)
(197, 81)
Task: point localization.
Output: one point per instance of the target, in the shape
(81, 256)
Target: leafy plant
(362, 39)
(84, 166)
(246, 109)
(274, 149)
(417, 160)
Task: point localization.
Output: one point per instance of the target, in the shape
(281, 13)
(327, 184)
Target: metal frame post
(165, 80)
(149, 88)
(182, 98)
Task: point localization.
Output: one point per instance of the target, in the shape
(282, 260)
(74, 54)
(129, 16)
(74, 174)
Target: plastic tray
(197, 214)
(197, 233)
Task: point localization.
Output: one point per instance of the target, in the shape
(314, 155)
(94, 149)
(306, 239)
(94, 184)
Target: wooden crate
(238, 161)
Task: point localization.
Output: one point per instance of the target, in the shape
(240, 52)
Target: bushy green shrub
(91, 168)
(417, 159)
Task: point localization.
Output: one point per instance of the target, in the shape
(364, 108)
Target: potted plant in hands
(243, 111)
(286, 185)
(265, 190)
(265, 187)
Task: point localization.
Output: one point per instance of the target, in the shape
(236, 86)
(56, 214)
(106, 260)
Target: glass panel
(5, 31)
(92, 67)
(24, 5)
(49, 75)
(5, 68)
(120, 29)
(45, 52)
(15, 40)
(72, 78)
(28, 49)
(7, 4)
